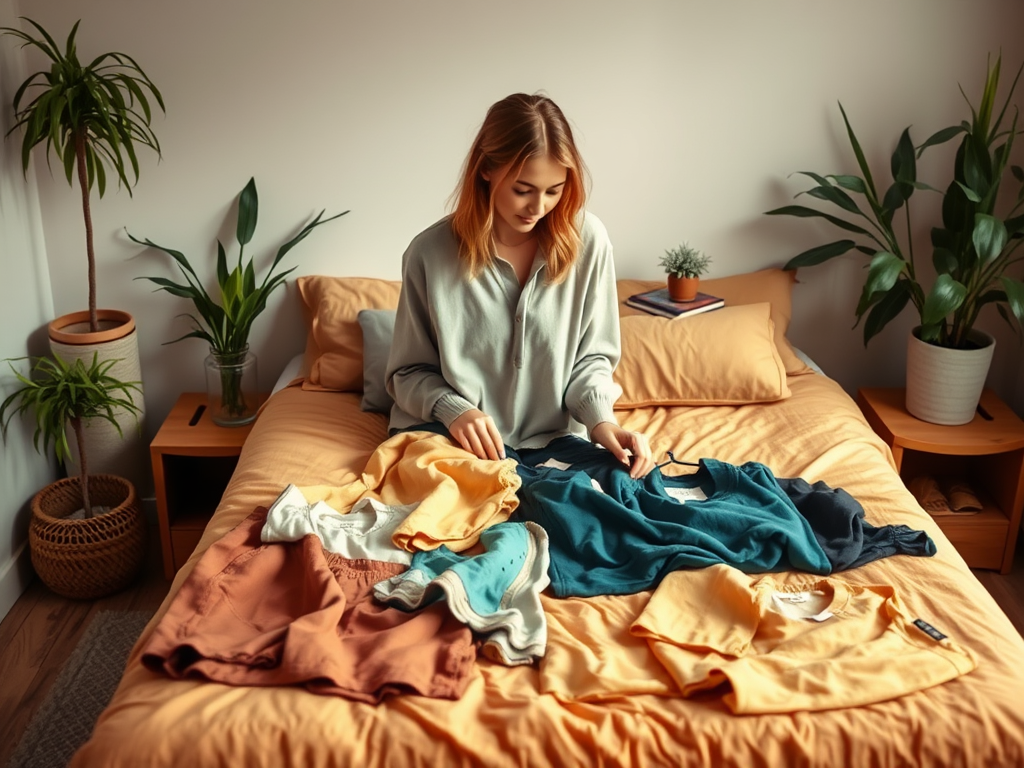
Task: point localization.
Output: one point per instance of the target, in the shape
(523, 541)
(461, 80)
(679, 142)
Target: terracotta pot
(73, 328)
(682, 288)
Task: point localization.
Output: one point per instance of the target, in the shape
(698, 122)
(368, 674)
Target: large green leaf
(820, 254)
(1015, 226)
(859, 154)
(803, 211)
(248, 211)
(852, 183)
(903, 162)
(884, 271)
(886, 309)
(836, 196)
(943, 299)
(1014, 296)
(895, 197)
(941, 137)
(989, 237)
(944, 261)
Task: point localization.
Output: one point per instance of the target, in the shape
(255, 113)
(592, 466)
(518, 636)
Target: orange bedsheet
(534, 716)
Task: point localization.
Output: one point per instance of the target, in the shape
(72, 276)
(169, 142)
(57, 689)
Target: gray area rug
(84, 685)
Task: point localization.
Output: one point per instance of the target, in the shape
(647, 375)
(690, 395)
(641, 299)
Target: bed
(608, 689)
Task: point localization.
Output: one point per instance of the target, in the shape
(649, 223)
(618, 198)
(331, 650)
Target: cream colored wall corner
(25, 308)
(692, 117)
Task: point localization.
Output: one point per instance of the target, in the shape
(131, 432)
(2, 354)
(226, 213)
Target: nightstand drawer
(980, 539)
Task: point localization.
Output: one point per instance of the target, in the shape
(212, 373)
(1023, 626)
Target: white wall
(25, 308)
(691, 115)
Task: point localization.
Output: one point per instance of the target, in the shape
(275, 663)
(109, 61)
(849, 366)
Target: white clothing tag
(596, 485)
(807, 606)
(555, 464)
(683, 495)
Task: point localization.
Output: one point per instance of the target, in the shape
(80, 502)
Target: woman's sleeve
(413, 376)
(591, 392)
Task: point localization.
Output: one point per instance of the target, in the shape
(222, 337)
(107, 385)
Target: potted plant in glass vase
(223, 320)
(684, 266)
(86, 534)
(974, 251)
(93, 117)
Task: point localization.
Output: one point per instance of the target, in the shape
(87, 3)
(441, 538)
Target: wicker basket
(87, 559)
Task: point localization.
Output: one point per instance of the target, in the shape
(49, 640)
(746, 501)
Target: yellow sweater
(457, 495)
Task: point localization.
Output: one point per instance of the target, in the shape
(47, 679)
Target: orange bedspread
(533, 716)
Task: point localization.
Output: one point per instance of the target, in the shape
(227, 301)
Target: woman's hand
(623, 445)
(474, 430)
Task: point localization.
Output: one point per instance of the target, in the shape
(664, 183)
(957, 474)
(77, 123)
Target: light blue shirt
(537, 359)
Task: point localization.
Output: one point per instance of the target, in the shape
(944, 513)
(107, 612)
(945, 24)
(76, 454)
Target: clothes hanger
(673, 460)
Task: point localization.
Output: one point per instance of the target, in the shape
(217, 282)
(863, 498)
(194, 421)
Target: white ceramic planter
(944, 385)
(126, 454)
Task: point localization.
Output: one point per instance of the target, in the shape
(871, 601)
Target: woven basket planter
(87, 559)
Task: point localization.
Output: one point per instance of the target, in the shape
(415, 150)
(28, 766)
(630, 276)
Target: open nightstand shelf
(193, 459)
(987, 454)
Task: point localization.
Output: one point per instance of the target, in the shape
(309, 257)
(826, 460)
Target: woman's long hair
(516, 129)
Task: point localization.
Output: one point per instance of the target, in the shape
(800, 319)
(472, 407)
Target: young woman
(507, 326)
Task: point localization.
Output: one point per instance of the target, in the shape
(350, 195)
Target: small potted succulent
(86, 533)
(684, 266)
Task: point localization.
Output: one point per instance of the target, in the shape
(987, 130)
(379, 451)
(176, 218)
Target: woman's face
(521, 201)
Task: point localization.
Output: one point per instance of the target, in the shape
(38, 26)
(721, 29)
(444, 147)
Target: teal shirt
(537, 359)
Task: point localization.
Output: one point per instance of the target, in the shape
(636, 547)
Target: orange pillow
(724, 357)
(334, 343)
(774, 286)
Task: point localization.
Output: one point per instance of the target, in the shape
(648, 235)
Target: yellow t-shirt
(779, 644)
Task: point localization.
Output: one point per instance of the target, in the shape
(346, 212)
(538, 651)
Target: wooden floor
(40, 632)
(42, 629)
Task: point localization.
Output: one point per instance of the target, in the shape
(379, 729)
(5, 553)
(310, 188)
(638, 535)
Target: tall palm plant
(91, 117)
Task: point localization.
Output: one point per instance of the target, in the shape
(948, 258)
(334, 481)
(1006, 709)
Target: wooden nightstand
(987, 453)
(193, 459)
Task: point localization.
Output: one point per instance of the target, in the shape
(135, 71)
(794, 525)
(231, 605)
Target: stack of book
(657, 302)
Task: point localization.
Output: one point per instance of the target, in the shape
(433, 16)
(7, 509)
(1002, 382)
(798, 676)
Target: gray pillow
(378, 326)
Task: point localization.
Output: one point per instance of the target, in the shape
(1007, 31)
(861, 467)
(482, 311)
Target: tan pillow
(774, 286)
(334, 344)
(724, 357)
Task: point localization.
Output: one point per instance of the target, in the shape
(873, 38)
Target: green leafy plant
(973, 250)
(90, 116)
(225, 319)
(685, 261)
(62, 394)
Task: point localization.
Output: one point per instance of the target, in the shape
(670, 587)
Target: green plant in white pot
(93, 115)
(223, 320)
(99, 552)
(684, 266)
(975, 251)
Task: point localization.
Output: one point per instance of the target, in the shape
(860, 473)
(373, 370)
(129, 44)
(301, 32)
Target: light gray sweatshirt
(537, 359)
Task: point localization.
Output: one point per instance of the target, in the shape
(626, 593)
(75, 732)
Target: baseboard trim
(15, 576)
